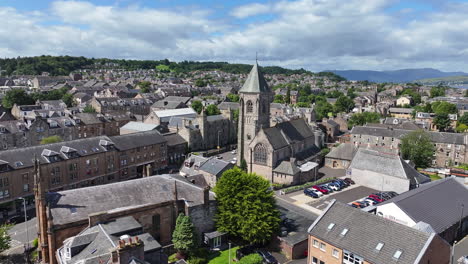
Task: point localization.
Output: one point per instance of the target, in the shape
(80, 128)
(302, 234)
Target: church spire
(255, 82)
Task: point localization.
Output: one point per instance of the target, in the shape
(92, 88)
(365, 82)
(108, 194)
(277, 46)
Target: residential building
(404, 101)
(164, 116)
(210, 167)
(340, 157)
(438, 204)
(401, 112)
(346, 235)
(123, 105)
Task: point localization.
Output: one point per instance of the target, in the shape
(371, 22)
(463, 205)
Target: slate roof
(139, 126)
(255, 82)
(365, 231)
(227, 105)
(120, 196)
(287, 132)
(401, 110)
(287, 167)
(436, 203)
(437, 137)
(388, 164)
(176, 112)
(174, 139)
(344, 151)
(216, 166)
(129, 141)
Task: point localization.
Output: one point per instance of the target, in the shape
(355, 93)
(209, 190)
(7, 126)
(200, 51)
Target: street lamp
(26, 247)
(229, 252)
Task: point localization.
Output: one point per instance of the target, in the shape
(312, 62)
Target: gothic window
(249, 106)
(260, 154)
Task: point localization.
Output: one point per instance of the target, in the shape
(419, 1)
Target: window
(343, 233)
(321, 262)
(314, 260)
(335, 253)
(350, 258)
(156, 226)
(379, 246)
(26, 187)
(397, 254)
(330, 226)
(323, 246)
(249, 107)
(316, 243)
(260, 154)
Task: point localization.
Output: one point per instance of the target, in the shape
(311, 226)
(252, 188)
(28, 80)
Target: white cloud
(314, 34)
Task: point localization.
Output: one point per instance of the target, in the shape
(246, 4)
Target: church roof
(287, 132)
(255, 82)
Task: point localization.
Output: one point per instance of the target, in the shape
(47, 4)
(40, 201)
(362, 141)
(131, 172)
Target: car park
(370, 201)
(348, 180)
(358, 204)
(267, 257)
(334, 187)
(376, 198)
(340, 182)
(326, 187)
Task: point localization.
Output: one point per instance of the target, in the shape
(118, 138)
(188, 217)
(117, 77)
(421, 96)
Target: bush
(172, 258)
(251, 259)
(197, 260)
(35, 242)
(305, 185)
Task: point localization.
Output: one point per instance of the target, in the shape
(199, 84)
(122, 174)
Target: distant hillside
(397, 76)
(445, 80)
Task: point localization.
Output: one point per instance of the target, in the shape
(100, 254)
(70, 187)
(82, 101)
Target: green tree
(16, 96)
(442, 121)
(344, 104)
(461, 128)
(334, 94)
(418, 147)
(232, 97)
(253, 258)
(184, 236)
(246, 207)
(51, 139)
(279, 99)
(68, 99)
(197, 106)
(5, 238)
(287, 98)
(303, 104)
(145, 86)
(89, 109)
(212, 110)
(463, 119)
(444, 108)
(200, 83)
(360, 119)
(437, 91)
(322, 109)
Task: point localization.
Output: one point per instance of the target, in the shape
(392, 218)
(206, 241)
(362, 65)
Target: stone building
(343, 234)
(80, 163)
(123, 105)
(340, 157)
(154, 202)
(286, 153)
(451, 148)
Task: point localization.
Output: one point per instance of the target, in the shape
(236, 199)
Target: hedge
(305, 185)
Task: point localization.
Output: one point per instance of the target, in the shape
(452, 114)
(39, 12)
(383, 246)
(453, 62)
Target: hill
(396, 76)
(445, 80)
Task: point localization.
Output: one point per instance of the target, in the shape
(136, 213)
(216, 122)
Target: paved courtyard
(345, 196)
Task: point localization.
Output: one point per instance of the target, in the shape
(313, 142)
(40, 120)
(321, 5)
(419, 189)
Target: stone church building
(287, 153)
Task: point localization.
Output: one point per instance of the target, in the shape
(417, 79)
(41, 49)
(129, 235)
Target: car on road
(312, 193)
(322, 190)
(15, 219)
(233, 152)
(219, 157)
(267, 257)
(348, 180)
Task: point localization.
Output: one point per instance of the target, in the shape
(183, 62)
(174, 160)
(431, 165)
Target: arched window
(249, 106)
(260, 154)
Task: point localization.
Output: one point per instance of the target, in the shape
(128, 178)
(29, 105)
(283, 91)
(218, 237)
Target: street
(19, 236)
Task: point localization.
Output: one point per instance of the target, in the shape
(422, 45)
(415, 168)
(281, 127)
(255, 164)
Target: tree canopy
(344, 104)
(5, 238)
(418, 147)
(145, 86)
(442, 107)
(212, 110)
(51, 139)
(437, 91)
(184, 236)
(246, 207)
(89, 109)
(232, 97)
(360, 119)
(442, 121)
(16, 96)
(197, 106)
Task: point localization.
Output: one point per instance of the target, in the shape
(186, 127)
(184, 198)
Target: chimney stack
(206, 196)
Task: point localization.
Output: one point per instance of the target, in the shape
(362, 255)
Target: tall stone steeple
(41, 212)
(254, 110)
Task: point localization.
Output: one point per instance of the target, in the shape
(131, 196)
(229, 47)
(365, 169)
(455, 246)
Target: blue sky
(313, 34)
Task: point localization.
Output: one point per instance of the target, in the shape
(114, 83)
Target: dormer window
(68, 123)
(2, 129)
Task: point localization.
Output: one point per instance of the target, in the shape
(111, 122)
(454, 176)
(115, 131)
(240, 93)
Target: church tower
(41, 213)
(254, 110)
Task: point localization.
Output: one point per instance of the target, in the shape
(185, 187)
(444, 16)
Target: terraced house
(80, 163)
(451, 148)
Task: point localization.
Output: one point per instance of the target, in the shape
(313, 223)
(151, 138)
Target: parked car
(348, 180)
(377, 198)
(322, 190)
(244, 251)
(370, 201)
(334, 187)
(267, 257)
(311, 193)
(326, 187)
(15, 219)
(341, 183)
(358, 204)
(344, 182)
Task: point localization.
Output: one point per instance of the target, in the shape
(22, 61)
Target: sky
(312, 34)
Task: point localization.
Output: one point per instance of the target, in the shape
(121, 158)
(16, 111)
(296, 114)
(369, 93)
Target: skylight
(397, 254)
(330, 226)
(344, 232)
(379, 246)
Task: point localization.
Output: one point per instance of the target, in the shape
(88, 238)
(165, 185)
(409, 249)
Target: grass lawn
(435, 177)
(222, 257)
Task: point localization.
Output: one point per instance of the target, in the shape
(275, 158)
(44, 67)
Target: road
(19, 236)
(461, 249)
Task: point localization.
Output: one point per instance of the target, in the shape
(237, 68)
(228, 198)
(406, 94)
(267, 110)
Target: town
(161, 165)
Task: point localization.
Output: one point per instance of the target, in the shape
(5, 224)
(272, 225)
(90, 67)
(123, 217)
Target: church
(287, 153)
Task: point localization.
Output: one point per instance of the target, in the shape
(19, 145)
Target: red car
(320, 189)
(376, 197)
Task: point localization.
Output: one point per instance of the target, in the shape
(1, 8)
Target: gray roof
(140, 139)
(388, 164)
(436, 137)
(288, 132)
(365, 231)
(344, 151)
(174, 139)
(227, 105)
(215, 166)
(287, 167)
(139, 126)
(436, 203)
(120, 195)
(255, 82)
(401, 110)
